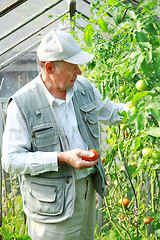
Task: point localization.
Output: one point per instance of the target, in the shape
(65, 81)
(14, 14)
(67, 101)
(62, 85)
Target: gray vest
(50, 197)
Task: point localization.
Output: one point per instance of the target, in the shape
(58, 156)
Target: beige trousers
(82, 223)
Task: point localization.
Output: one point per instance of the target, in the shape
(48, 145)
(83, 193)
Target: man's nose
(79, 72)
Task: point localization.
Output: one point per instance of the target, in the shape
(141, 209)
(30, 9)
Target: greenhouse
(80, 155)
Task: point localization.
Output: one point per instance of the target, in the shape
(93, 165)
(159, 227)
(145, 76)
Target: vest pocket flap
(88, 107)
(41, 137)
(44, 193)
(91, 119)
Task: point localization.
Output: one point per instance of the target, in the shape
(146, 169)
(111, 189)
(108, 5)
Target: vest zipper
(40, 130)
(66, 177)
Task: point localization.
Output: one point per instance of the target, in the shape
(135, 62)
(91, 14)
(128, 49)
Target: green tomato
(156, 155)
(141, 85)
(123, 126)
(147, 152)
(122, 88)
(152, 161)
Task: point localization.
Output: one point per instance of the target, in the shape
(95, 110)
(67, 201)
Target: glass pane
(23, 27)
(26, 37)
(17, 74)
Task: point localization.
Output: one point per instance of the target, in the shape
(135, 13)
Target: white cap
(58, 45)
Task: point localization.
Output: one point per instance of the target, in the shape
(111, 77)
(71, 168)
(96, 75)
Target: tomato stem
(136, 203)
(153, 177)
(114, 224)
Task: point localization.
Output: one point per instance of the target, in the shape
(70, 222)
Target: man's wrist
(60, 158)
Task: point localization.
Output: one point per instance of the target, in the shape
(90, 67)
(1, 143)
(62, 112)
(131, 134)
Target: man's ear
(49, 67)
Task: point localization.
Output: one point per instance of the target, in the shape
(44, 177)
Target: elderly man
(51, 124)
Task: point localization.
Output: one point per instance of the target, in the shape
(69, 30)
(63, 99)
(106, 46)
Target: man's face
(65, 77)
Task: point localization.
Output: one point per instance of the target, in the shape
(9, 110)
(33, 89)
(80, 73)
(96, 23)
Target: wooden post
(72, 11)
(72, 8)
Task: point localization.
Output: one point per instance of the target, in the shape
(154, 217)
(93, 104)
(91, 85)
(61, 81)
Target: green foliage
(127, 49)
(13, 218)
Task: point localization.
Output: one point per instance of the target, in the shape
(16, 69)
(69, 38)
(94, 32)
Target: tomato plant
(126, 69)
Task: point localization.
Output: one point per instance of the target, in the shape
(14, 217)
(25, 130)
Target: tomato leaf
(150, 29)
(141, 37)
(145, 45)
(147, 68)
(142, 120)
(102, 24)
(139, 62)
(134, 54)
(157, 232)
(131, 169)
(131, 14)
(156, 113)
(143, 3)
(112, 2)
(156, 167)
(157, 65)
(140, 95)
(154, 131)
(137, 143)
(88, 35)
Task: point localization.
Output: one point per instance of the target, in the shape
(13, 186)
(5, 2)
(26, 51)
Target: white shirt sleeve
(16, 149)
(107, 111)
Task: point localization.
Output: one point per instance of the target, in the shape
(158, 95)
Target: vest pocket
(89, 116)
(44, 137)
(45, 199)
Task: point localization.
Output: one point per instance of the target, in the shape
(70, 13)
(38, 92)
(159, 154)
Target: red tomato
(147, 220)
(96, 155)
(126, 134)
(103, 160)
(122, 217)
(125, 202)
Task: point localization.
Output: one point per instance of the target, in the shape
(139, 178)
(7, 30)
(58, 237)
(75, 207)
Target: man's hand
(74, 158)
